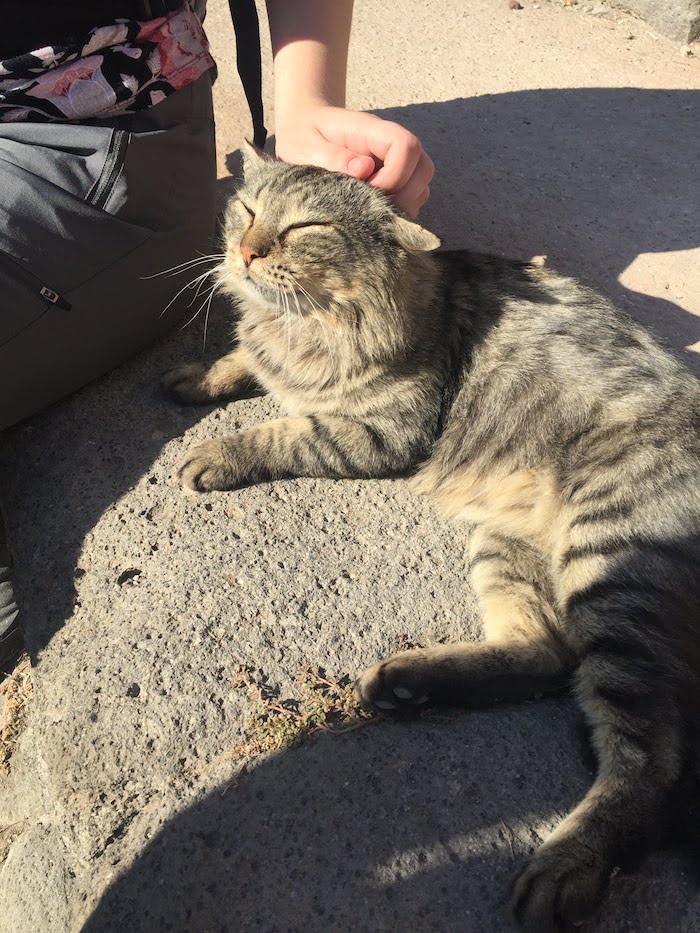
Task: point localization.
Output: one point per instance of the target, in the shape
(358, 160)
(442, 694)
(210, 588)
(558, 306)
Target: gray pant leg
(87, 212)
(8, 605)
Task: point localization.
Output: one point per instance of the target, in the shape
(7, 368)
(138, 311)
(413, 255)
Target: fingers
(402, 152)
(363, 145)
(339, 159)
(360, 166)
(406, 170)
(313, 149)
(416, 191)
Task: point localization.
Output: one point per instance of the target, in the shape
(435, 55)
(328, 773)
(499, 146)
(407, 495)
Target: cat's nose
(249, 254)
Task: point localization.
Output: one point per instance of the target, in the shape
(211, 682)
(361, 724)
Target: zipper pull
(48, 294)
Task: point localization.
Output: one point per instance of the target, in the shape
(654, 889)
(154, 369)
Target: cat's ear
(254, 160)
(413, 237)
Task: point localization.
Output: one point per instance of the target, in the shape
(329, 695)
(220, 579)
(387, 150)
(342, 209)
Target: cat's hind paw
(396, 684)
(188, 384)
(560, 887)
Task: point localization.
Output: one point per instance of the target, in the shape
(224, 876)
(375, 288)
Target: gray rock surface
(36, 865)
(677, 19)
(125, 809)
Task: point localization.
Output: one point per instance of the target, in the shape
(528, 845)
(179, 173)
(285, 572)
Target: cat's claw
(187, 383)
(403, 693)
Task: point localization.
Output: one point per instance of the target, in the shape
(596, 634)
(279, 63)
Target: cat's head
(313, 239)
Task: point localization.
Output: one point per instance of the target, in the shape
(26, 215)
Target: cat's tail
(630, 682)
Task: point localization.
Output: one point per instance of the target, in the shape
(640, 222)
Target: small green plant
(15, 693)
(324, 705)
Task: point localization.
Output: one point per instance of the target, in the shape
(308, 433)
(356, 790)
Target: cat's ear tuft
(254, 160)
(413, 237)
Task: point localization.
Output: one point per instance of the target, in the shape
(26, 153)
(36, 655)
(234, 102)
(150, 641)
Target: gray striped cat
(526, 405)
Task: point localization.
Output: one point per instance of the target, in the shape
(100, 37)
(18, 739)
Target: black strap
(152, 9)
(248, 60)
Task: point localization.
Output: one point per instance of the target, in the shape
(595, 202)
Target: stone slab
(677, 19)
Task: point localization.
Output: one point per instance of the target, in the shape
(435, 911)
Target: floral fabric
(121, 68)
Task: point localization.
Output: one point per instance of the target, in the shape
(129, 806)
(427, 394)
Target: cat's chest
(292, 368)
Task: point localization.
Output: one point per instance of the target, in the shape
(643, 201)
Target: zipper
(114, 163)
(36, 285)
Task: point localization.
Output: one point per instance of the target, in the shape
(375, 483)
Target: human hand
(359, 144)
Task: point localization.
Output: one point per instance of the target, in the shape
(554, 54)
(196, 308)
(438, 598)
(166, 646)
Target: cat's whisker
(212, 292)
(299, 315)
(193, 318)
(312, 301)
(183, 266)
(191, 284)
(199, 309)
(278, 309)
(318, 314)
(202, 280)
(287, 320)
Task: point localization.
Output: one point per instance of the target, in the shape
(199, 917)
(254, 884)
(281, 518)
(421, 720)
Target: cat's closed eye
(245, 207)
(306, 226)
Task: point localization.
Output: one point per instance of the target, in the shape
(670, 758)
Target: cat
(524, 404)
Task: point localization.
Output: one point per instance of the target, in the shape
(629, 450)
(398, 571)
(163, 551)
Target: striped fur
(526, 405)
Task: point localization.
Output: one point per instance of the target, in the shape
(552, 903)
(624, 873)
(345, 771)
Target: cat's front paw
(560, 887)
(209, 466)
(400, 683)
(188, 384)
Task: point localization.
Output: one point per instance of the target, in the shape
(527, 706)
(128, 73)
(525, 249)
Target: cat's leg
(195, 383)
(521, 657)
(615, 824)
(304, 446)
(627, 684)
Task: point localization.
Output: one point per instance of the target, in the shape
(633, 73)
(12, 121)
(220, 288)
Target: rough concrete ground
(554, 132)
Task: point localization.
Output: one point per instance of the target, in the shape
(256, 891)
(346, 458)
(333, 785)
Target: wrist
(300, 112)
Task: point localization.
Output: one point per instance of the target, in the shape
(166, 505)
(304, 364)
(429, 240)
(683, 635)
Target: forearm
(310, 41)
(310, 47)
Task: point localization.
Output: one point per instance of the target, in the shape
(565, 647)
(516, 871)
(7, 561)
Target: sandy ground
(128, 805)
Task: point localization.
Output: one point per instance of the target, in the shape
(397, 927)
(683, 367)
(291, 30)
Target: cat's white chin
(251, 288)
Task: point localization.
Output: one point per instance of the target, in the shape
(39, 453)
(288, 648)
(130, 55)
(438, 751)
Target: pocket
(55, 220)
(111, 170)
(25, 298)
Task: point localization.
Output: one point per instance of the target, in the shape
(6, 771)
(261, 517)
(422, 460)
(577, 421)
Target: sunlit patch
(512, 840)
(657, 275)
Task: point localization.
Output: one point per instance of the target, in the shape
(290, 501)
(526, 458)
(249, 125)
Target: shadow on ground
(415, 827)
(590, 177)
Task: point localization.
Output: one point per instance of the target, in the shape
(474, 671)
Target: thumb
(360, 166)
(339, 159)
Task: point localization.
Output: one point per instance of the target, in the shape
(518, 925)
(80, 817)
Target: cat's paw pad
(396, 684)
(208, 466)
(560, 887)
(187, 383)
